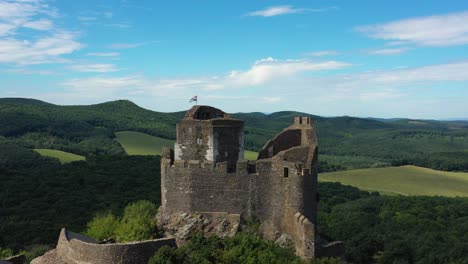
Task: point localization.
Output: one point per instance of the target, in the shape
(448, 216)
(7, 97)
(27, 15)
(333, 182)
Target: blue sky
(330, 58)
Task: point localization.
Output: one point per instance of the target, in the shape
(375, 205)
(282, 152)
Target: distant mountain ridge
(344, 142)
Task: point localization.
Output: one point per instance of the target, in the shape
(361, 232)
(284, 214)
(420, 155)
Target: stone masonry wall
(76, 248)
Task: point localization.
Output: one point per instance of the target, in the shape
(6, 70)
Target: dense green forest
(345, 142)
(39, 196)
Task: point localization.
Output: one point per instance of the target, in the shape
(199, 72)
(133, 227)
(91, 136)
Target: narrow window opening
(286, 172)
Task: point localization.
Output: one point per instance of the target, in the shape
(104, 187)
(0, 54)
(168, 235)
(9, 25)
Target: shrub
(5, 253)
(138, 222)
(242, 248)
(103, 226)
(35, 251)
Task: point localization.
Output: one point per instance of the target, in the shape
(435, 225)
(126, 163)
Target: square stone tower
(209, 134)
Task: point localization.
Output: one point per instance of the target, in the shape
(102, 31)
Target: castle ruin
(206, 179)
(206, 173)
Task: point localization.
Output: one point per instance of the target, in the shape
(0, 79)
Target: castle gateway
(206, 173)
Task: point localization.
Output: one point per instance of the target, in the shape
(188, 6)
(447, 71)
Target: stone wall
(73, 248)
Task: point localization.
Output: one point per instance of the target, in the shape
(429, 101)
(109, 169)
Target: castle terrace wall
(302, 231)
(285, 140)
(76, 248)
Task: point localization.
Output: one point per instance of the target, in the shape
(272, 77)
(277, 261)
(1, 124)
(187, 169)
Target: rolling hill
(345, 142)
(405, 180)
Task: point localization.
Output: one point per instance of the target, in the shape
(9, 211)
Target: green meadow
(404, 180)
(136, 143)
(250, 155)
(62, 156)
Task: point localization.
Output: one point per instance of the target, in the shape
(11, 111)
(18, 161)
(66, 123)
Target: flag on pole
(194, 99)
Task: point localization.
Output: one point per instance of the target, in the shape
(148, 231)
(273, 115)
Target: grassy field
(64, 157)
(250, 155)
(136, 143)
(405, 180)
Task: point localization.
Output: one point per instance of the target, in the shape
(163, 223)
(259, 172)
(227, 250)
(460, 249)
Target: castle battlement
(242, 167)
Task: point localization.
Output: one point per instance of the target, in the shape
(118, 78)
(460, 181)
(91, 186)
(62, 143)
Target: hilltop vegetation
(405, 180)
(345, 142)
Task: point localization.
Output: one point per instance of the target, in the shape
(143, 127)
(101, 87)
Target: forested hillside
(39, 195)
(345, 142)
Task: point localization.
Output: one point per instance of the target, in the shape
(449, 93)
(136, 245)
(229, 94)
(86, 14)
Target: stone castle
(206, 173)
(207, 186)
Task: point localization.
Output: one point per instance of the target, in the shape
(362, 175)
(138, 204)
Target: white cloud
(276, 11)
(41, 24)
(103, 54)
(271, 82)
(287, 9)
(19, 9)
(119, 25)
(28, 71)
(442, 72)
(387, 51)
(271, 99)
(34, 48)
(44, 50)
(126, 45)
(441, 30)
(103, 84)
(94, 68)
(322, 53)
(6, 29)
(269, 69)
(87, 18)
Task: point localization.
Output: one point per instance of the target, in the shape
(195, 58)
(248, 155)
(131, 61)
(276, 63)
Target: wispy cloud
(29, 71)
(268, 69)
(87, 18)
(441, 30)
(271, 99)
(44, 50)
(101, 68)
(270, 81)
(387, 51)
(41, 24)
(103, 54)
(287, 9)
(45, 46)
(126, 45)
(276, 11)
(119, 25)
(323, 53)
(263, 72)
